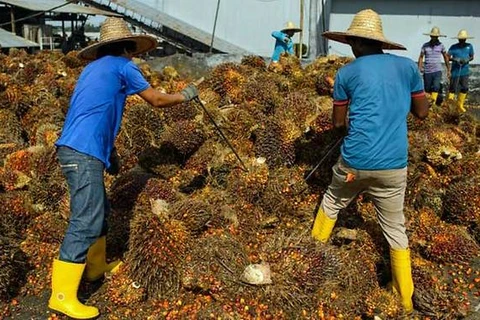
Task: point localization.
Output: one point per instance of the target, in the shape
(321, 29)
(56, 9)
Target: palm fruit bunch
(16, 212)
(254, 61)
(300, 267)
(195, 214)
(462, 201)
(13, 265)
(156, 253)
(228, 80)
(248, 185)
(264, 91)
(214, 265)
(185, 137)
(141, 128)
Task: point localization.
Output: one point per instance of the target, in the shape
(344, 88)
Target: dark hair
(367, 42)
(116, 48)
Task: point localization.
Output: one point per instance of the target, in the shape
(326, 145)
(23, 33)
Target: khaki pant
(386, 188)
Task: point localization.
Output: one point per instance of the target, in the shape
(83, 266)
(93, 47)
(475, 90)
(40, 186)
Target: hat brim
(464, 38)
(434, 35)
(291, 29)
(144, 43)
(342, 37)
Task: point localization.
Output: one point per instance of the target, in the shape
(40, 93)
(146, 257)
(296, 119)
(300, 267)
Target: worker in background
(284, 41)
(86, 148)
(460, 54)
(433, 51)
(373, 160)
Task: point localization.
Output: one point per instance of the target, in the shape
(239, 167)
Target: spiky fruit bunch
(462, 201)
(263, 90)
(299, 268)
(213, 264)
(298, 108)
(184, 111)
(271, 143)
(122, 290)
(441, 242)
(142, 126)
(248, 185)
(205, 157)
(291, 65)
(383, 304)
(254, 61)
(282, 192)
(184, 136)
(47, 134)
(72, 61)
(164, 161)
(12, 268)
(16, 212)
(195, 214)
(227, 80)
(156, 254)
(11, 130)
(47, 228)
(20, 167)
(48, 111)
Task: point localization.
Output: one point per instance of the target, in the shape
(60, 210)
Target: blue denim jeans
(432, 81)
(89, 206)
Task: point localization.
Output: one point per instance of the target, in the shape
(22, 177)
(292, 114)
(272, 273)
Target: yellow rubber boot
(461, 101)
(451, 96)
(322, 227)
(402, 281)
(66, 277)
(434, 97)
(96, 261)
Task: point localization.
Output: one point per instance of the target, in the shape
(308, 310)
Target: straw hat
(365, 24)
(116, 30)
(435, 32)
(290, 26)
(462, 34)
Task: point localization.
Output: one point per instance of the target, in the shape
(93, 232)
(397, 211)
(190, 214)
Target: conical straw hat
(116, 30)
(365, 24)
(290, 26)
(462, 34)
(435, 32)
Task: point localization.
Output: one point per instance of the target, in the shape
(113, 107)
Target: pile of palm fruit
(188, 218)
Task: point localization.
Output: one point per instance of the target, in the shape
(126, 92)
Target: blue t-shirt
(378, 89)
(458, 52)
(96, 107)
(280, 45)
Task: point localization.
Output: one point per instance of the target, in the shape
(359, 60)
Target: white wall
(406, 21)
(245, 23)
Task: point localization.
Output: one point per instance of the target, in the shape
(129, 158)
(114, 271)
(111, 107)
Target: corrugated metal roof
(136, 7)
(46, 5)
(10, 40)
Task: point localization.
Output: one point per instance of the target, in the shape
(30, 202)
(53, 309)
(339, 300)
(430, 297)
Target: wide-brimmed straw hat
(290, 26)
(365, 24)
(116, 30)
(462, 34)
(435, 32)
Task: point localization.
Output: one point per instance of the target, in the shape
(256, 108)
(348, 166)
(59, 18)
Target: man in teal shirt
(378, 91)
(284, 41)
(460, 54)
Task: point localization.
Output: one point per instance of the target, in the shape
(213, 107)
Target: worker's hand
(463, 61)
(287, 40)
(115, 163)
(190, 92)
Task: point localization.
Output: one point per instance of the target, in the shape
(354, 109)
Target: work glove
(190, 92)
(463, 61)
(115, 163)
(287, 40)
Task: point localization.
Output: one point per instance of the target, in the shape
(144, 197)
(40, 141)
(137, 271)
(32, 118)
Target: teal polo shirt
(378, 89)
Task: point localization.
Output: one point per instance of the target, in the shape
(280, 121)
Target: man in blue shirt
(460, 54)
(284, 42)
(86, 148)
(377, 91)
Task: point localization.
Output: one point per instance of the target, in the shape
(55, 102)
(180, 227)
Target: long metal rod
(214, 25)
(330, 150)
(197, 99)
